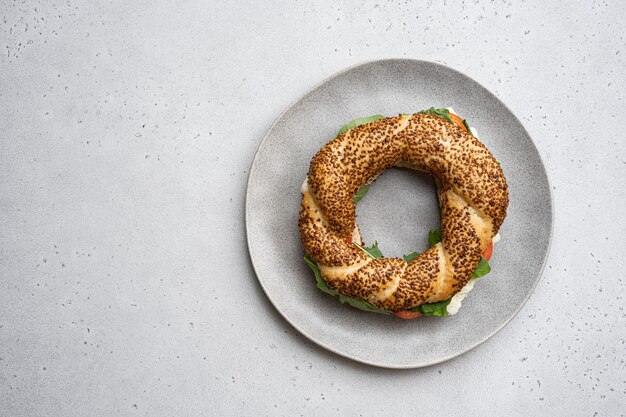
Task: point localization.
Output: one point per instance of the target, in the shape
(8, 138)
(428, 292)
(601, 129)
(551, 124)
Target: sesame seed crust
(473, 196)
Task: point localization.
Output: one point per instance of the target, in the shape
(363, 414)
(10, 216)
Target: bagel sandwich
(413, 296)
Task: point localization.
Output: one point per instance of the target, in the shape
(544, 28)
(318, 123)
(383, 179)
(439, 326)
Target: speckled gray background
(127, 132)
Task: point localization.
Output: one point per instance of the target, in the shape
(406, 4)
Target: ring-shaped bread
(473, 196)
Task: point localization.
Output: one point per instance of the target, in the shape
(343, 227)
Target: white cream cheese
(305, 186)
(455, 302)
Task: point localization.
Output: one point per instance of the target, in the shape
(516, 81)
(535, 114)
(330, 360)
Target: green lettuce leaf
(467, 126)
(434, 237)
(358, 122)
(439, 309)
(361, 304)
(343, 299)
(482, 269)
(443, 113)
(321, 284)
(411, 256)
(360, 193)
(372, 251)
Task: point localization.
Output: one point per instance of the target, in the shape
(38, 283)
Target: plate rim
(344, 354)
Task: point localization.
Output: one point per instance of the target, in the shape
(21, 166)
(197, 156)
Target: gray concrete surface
(127, 131)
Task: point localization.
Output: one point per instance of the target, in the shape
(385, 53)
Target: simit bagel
(473, 197)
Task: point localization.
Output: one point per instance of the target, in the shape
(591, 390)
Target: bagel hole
(399, 209)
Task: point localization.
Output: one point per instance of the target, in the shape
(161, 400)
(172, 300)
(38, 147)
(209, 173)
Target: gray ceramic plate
(398, 211)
